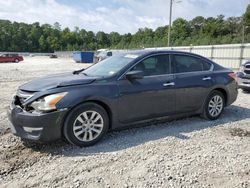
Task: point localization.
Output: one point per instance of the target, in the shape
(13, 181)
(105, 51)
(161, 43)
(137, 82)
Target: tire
(16, 61)
(86, 124)
(214, 105)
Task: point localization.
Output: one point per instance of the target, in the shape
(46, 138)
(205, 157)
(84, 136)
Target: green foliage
(246, 16)
(198, 31)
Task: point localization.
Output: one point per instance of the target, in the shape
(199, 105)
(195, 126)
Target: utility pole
(170, 19)
(170, 23)
(243, 34)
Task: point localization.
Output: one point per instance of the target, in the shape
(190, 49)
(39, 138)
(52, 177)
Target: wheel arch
(98, 102)
(220, 89)
(205, 112)
(224, 92)
(106, 108)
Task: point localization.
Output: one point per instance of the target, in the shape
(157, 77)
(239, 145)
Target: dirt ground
(190, 152)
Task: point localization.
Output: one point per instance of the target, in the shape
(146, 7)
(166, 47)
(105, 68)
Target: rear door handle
(206, 78)
(169, 84)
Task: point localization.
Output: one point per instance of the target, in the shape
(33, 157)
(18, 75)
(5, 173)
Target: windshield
(110, 66)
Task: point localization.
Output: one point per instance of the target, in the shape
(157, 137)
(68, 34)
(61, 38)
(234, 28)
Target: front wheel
(86, 124)
(16, 61)
(214, 105)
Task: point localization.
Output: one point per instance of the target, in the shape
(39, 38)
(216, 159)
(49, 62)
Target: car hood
(55, 81)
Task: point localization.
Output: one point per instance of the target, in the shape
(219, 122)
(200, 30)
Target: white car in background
(102, 54)
(243, 76)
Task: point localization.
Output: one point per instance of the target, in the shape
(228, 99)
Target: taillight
(233, 75)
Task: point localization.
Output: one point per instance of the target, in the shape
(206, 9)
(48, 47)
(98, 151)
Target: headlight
(47, 103)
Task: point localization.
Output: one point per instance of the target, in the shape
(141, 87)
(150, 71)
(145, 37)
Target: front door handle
(206, 78)
(169, 84)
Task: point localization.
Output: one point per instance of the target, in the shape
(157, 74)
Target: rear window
(13, 55)
(185, 63)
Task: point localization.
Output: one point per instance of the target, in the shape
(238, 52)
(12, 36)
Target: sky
(122, 16)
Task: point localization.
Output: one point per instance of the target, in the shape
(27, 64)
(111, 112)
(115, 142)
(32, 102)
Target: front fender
(107, 94)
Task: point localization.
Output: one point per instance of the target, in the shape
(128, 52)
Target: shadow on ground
(120, 140)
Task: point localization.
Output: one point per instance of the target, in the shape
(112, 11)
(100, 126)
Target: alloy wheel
(215, 106)
(88, 126)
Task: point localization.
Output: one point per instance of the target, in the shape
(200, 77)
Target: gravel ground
(190, 152)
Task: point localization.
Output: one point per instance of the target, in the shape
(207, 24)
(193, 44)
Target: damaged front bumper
(44, 127)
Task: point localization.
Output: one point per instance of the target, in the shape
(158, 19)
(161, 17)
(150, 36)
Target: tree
(197, 24)
(57, 26)
(42, 44)
(246, 21)
(246, 16)
(114, 38)
(34, 37)
(102, 39)
(180, 31)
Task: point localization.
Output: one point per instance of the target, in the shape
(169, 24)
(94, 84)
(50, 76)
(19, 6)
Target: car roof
(247, 62)
(151, 52)
(8, 54)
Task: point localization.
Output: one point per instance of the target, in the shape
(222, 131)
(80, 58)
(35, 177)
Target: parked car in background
(101, 55)
(123, 90)
(10, 58)
(53, 56)
(243, 76)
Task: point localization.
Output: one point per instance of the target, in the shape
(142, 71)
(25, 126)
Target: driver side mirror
(133, 75)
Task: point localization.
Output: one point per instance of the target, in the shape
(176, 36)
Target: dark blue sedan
(123, 90)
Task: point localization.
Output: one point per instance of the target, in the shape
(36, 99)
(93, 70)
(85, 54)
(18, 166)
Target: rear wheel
(214, 105)
(86, 124)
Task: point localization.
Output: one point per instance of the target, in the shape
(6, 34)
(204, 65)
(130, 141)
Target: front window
(110, 66)
(155, 65)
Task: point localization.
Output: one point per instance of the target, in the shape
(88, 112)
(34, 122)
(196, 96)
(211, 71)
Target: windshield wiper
(85, 74)
(79, 71)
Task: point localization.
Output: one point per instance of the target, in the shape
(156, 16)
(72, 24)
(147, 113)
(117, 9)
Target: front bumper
(45, 127)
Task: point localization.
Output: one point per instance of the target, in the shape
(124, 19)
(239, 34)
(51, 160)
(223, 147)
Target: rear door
(193, 80)
(150, 97)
